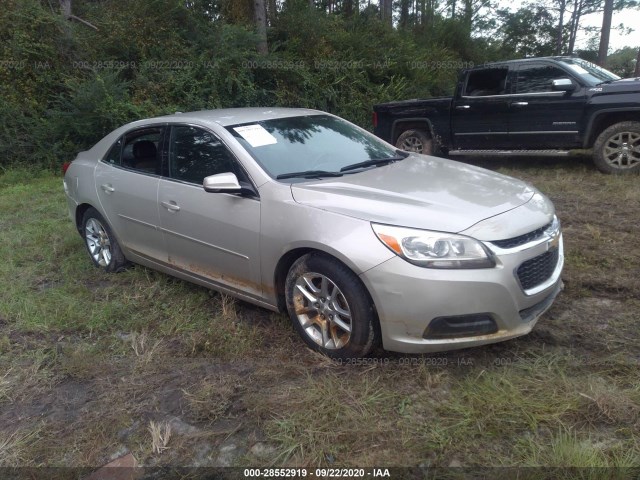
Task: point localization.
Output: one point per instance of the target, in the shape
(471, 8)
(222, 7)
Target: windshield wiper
(309, 174)
(378, 162)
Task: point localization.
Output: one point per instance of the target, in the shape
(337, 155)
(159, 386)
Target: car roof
(235, 116)
(224, 117)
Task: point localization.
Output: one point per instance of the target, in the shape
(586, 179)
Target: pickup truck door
(479, 111)
(541, 117)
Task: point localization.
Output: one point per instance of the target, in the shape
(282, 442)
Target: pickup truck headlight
(434, 249)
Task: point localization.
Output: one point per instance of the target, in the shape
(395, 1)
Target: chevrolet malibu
(302, 212)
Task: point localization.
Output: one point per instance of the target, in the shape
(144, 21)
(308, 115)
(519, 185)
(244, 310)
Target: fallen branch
(78, 19)
(65, 6)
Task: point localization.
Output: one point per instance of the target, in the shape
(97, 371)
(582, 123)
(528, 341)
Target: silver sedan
(301, 211)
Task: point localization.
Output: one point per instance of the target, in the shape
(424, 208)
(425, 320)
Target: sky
(629, 17)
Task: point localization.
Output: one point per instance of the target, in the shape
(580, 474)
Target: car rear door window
(195, 153)
(141, 150)
(490, 81)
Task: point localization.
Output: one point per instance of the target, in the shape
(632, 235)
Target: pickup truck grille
(522, 239)
(538, 270)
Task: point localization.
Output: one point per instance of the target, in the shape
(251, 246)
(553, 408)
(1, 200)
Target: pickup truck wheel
(617, 149)
(415, 141)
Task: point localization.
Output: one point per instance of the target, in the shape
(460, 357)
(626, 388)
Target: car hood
(420, 192)
(624, 85)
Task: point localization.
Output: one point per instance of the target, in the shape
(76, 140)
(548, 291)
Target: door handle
(171, 206)
(463, 107)
(107, 188)
(520, 104)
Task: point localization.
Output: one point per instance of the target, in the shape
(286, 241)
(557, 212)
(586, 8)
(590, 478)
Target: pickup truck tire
(416, 141)
(617, 149)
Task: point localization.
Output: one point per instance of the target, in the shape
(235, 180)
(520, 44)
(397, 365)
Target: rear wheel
(417, 141)
(330, 308)
(617, 149)
(101, 244)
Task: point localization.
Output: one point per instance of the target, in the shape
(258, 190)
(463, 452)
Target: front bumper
(408, 298)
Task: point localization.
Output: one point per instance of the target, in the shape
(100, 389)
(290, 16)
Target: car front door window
(196, 153)
(537, 78)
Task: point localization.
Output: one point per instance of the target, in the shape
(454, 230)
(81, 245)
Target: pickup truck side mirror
(563, 85)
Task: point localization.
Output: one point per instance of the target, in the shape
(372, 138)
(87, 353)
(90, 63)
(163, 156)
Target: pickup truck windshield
(589, 72)
(309, 143)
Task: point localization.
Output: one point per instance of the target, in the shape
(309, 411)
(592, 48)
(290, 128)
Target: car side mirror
(228, 183)
(222, 183)
(563, 85)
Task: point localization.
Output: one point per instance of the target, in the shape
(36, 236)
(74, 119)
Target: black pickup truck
(549, 106)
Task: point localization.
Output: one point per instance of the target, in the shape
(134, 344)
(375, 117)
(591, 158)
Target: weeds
(160, 436)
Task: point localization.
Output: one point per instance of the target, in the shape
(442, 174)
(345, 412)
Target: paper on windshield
(256, 135)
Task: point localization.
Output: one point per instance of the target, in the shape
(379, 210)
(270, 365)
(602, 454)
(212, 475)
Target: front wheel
(101, 244)
(617, 149)
(330, 308)
(416, 141)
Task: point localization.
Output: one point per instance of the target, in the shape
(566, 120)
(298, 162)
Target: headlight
(434, 249)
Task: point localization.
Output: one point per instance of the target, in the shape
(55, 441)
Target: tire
(416, 141)
(617, 149)
(330, 308)
(102, 246)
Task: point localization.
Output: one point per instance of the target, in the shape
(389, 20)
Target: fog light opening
(461, 326)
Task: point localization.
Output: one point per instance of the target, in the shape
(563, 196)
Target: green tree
(528, 32)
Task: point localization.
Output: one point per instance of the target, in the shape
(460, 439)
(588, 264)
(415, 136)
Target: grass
(95, 365)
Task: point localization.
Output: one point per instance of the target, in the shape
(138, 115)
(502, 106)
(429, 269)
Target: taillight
(375, 119)
(65, 167)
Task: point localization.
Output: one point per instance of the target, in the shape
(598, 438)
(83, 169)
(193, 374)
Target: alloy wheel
(98, 242)
(412, 144)
(322, 310)
(622, 150)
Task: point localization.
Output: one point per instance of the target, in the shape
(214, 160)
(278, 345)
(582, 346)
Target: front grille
(538, 270)
(522, 239)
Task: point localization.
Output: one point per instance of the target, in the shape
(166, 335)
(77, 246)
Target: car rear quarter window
(538, 78)
(113, 156)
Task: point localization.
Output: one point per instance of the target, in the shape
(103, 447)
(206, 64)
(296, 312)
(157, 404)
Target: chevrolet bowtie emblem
(554, 241)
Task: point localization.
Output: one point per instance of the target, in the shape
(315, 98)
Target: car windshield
(314, 143)
(589, 72)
